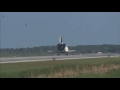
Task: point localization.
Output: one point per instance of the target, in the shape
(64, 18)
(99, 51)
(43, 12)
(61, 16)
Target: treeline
(43, 50)
(34, 51)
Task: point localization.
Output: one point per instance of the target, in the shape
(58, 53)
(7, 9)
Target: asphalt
(60, 57)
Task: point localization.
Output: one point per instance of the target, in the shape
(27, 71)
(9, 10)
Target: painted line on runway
(25, 61)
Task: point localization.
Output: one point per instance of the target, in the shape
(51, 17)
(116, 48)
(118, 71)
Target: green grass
(61, 67)
(115, 73)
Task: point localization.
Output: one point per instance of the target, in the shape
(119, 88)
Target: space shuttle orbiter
(62, 47)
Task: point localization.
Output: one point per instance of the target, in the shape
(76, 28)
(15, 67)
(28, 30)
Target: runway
(47, 58)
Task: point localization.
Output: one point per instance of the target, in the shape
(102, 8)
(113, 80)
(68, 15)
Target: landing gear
(58, 54)
(63, 53)
(66, 53)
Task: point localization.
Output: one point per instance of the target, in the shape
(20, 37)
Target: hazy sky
(44, 28)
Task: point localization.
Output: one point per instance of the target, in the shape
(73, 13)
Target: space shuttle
(62, 47)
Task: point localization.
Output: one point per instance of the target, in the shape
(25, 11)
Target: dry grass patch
(66, 72)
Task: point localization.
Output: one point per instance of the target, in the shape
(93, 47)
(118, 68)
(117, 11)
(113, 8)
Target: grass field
(79, 68)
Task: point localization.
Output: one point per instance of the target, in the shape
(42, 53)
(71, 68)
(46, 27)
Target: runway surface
(61, 57)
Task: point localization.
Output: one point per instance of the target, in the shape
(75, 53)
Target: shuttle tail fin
(60, 39)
